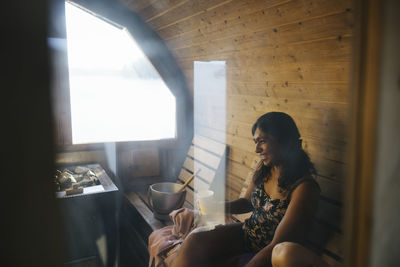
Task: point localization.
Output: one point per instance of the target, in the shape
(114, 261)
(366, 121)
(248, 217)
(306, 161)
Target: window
(116, 94)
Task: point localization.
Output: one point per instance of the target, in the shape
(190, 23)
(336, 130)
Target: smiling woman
(282, 197)
(108, 69)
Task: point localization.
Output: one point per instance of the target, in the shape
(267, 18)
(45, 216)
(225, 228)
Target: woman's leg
(210, 248)
(289, 254)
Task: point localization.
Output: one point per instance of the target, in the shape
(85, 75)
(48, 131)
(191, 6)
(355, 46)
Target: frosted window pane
(209, 111)
(116, 94)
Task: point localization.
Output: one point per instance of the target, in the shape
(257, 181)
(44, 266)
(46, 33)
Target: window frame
(182, 99)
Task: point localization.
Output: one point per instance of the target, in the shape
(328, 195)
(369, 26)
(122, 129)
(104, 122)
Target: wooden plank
(246, 109)
(294, 72)
(140, 162)
(204, 157)
(331, 261)
(209, 144)
(251, 107)
(204, 118)
(335, 245)
(210, 133)
(269, 56)
(81, 157)
(235, 182)
(159, 8)
(234, 50)
(330, 189)
(216, 16)
(243, 129)
(330, 214)
(245, 144)
(334, 150)
(329, 72)
(306, 90)
(325, 157)
(231, 193)
(327, 238)
(183, 11)
(313, 146)
(206, 174)
(334, 48)
(138, 5)
(243, 157)
(256, 17)
(273, 56)
(334, 140)
(304, 32)
(240, 170)
(200, 185)
(331, 169)
(214, 121)
(325, 148)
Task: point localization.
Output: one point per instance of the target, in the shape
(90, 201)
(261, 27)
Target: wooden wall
(281, 55)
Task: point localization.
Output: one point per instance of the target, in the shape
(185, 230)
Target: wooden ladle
(188, 181)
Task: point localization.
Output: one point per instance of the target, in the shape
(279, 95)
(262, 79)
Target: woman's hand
(241, 205)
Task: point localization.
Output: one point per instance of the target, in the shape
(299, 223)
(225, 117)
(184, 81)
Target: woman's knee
(188, 252)
(285, 254)
(194, 246)
(288, 254)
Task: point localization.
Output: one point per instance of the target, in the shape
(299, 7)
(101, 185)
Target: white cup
(205, 200)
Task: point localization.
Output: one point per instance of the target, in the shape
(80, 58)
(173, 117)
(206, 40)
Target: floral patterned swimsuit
(260, 228)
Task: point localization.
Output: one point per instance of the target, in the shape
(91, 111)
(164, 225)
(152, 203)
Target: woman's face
(266, 147)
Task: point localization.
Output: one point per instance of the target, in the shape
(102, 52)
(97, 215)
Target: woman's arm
(238, 206)
(293, 227)
(241, 205)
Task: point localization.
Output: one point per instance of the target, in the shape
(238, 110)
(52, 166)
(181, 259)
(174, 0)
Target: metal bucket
(164, 198)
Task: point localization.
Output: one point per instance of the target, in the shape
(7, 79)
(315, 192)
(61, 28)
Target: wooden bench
(205, 154)
(326, 236)
(137, 220)
(209, 155)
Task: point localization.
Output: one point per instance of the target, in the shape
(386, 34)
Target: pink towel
(165, 243)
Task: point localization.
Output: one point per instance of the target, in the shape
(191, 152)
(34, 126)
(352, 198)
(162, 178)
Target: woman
(283, 198)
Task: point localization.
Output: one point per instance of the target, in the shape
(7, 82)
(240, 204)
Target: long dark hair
(292, 158)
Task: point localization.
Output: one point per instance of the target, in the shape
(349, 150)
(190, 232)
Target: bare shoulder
(307, 188)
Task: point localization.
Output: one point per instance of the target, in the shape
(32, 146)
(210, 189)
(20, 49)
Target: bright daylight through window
(116, 93)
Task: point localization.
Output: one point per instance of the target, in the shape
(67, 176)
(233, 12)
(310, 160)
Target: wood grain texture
(292, 56)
